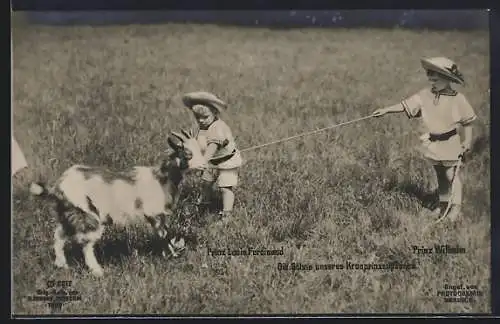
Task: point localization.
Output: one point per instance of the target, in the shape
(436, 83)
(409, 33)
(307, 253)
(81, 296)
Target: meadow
(110, 95)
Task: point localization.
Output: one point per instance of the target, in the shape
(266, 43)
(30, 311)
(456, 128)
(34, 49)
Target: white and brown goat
(87, 198)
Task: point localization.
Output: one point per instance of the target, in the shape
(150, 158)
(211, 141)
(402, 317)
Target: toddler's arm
(211, 149)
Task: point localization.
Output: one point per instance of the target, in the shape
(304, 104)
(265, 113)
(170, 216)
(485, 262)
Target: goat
(88, 198)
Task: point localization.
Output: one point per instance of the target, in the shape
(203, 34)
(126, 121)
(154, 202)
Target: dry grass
(109, 95)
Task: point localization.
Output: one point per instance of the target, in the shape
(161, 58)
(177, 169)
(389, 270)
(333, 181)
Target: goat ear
(174, 142)
(179, 136)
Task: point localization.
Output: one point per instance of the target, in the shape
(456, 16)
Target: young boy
(441, 110)
(217, 144)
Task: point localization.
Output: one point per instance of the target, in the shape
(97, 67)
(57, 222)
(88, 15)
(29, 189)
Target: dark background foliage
(428, 19)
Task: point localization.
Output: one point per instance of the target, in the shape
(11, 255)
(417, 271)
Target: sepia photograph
(211, 163)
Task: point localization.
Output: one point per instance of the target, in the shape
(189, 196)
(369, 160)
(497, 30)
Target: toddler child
(218, 146)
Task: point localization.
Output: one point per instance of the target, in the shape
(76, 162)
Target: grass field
(110, 95)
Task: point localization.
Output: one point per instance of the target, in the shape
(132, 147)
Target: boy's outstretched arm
(390, 109)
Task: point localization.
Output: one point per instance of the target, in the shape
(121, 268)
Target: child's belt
(218, 161)
(442, 136)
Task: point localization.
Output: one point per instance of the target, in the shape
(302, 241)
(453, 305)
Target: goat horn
(181, 137)
(185, 133)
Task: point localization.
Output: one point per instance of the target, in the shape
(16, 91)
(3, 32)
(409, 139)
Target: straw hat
(443, 66)
(203, 98)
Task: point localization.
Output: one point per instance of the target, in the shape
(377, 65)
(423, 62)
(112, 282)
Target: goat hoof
(98, 272)
(61, 264)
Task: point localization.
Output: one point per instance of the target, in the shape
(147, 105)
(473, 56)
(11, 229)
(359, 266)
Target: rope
(305, 134)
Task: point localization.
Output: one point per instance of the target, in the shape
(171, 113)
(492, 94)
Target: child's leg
(227, 199)
(443, 186)
(226, 181)
(207, 180)
(443, 183)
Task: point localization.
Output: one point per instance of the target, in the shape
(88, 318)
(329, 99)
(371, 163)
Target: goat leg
(59, 242)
